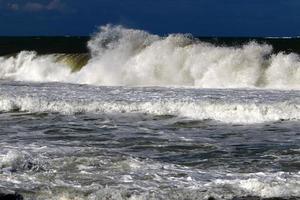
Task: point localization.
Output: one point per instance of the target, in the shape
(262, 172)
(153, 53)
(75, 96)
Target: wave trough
(128, 57)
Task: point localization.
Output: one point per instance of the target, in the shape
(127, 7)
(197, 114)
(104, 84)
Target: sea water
(149, 117)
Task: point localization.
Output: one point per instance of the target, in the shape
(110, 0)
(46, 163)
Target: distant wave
(121, 56)
(283, 37)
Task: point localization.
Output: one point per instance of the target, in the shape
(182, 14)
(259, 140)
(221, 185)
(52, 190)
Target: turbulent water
(140, 116)
(129, 57)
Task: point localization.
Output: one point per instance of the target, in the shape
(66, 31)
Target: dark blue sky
(199, 17)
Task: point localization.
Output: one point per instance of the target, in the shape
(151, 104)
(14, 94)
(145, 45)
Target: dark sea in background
(78, 44)
(130, 115)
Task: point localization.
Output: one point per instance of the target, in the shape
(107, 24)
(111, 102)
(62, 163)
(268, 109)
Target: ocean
(125, 114)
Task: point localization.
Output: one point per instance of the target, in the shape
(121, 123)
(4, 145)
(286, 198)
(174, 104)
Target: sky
(199, 17)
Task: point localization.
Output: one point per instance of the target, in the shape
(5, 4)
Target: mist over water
(128, 57)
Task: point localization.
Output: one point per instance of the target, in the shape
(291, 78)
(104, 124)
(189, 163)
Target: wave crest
(121, 56)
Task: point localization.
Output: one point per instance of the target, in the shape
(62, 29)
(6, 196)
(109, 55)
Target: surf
(225, 106)
(121, 56)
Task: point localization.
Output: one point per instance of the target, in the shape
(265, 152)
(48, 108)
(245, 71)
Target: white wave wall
(28, 66)
(121, 56)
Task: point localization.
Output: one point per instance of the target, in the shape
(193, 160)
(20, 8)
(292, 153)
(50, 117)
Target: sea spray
(129, 57)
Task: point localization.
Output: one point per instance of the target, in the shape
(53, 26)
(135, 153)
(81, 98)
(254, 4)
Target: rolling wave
(228, 106)
(128, 57)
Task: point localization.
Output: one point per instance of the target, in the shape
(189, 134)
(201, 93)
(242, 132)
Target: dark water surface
(78, 44)
(111, 148)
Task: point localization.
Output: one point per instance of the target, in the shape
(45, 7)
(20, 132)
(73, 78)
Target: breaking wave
(121, 56)
(229, 106)
(224, 112)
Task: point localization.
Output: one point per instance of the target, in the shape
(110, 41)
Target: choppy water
(75, 125)
(64, 141)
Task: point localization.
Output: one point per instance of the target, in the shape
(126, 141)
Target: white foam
(276, 185)
(123, 56)
(27, 66)
(14, 160)
(142, 179)
(265, 185)
(229, 111)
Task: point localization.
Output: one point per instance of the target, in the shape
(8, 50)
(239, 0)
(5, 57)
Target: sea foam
(129, 57)
(229, 106)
